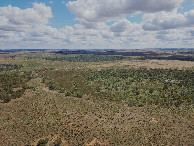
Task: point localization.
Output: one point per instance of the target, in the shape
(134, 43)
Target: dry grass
(165, 64)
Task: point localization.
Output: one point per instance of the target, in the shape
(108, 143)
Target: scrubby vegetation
(13, 85)
(71, 82)
(8, 67)
(85, 58)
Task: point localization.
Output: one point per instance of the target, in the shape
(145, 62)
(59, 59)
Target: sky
(96, 24)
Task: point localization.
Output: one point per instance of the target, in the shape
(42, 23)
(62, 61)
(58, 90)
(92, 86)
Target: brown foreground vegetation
(82, 121)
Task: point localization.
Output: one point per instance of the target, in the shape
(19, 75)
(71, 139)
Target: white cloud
(16, 19)
(191, 32)
(43, 32)
(94, 11)
(28, 28)
(120, 26)
(133, 36)
(167, 20)
(175, 36)
(5, 35)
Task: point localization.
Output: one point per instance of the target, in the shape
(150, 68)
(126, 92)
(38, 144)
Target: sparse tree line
(171, 57)
(85, 58)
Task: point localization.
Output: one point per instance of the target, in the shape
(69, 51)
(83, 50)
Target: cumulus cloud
(191, 32)
(166, 20)
(120, 26)
(5, 35)
(90, 11)
(43, 33)
(16, 19)
(43, 36)
(28, 28)
(175, 36)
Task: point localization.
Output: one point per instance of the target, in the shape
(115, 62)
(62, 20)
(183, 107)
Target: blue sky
(96, 24)
(62, 16)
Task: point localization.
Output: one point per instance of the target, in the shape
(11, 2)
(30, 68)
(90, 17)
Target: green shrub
(58, 142)
(79, 95)
(7, 99)
(62, 90)
(151, 90)
(68, 93)
(42, 142)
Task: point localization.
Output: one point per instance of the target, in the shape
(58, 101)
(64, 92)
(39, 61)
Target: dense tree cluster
(138, 87)
(171, 57)
(13, 85)
(146, 86)
(85, 58)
